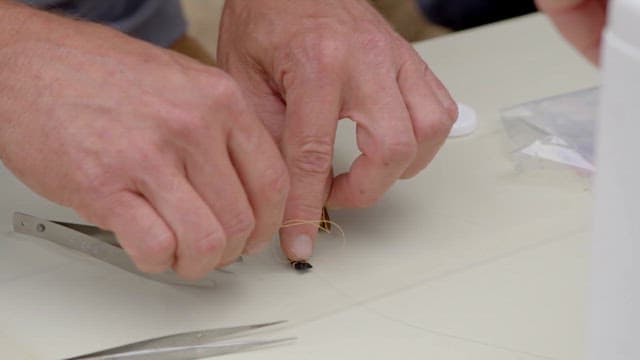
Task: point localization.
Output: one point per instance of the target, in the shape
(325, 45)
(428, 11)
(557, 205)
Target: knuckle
(376, 42)
(451, 112)
(222, 89)
(276, 181)
(160, 249)
(95, 181)
(399, 150)
(156, 255)
(185, 124)
(324, 52)
(145, 155)
(240, 225)
(313, 156)
(210, 244)
(436, 127)
(90, 180)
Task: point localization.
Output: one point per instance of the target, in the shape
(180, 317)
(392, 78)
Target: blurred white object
(466, 123)
(615, 307)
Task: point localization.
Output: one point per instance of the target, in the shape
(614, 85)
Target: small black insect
(301, 265)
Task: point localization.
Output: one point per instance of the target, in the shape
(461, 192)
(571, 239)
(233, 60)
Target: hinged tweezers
(185, 346)
(95, 242)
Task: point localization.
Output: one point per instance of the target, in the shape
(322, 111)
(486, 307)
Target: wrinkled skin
(139, 140)
(305, 64)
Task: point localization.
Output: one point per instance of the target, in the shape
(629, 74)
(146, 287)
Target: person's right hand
(580, 21)
(138, 140)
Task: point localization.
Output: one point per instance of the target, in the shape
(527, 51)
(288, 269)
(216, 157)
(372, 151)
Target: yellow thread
(318, 223)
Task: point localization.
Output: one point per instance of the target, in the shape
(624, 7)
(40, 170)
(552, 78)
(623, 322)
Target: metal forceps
(188, 346)
(95, 242)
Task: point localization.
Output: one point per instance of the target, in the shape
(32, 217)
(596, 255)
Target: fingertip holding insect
(301, 265)
(302, 247)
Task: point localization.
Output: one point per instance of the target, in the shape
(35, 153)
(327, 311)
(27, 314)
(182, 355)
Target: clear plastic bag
(560, 129)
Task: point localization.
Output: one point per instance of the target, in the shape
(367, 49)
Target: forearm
(34, 48)
(30, 40)
(21, 23)
(13, 20)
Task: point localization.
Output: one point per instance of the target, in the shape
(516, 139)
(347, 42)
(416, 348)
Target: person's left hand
(304, 65)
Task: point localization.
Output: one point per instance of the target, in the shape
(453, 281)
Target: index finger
(313, 110)
(386, 140)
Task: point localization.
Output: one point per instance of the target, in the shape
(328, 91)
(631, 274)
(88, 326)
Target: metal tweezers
(95, 242)
(103, 245)
(188, 346)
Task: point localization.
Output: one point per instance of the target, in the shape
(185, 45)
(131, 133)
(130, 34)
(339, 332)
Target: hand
(305, 64)
(580, 21)
(139, 140)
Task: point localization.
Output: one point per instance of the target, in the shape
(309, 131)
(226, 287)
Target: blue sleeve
(463, 14)
(160, 22)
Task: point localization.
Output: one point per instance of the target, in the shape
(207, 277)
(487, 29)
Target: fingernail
(256, 247)
(301, 247)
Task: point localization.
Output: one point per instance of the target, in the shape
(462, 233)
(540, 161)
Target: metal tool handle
(69, 236)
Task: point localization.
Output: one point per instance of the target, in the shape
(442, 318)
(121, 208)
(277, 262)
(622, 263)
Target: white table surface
(471, 260)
